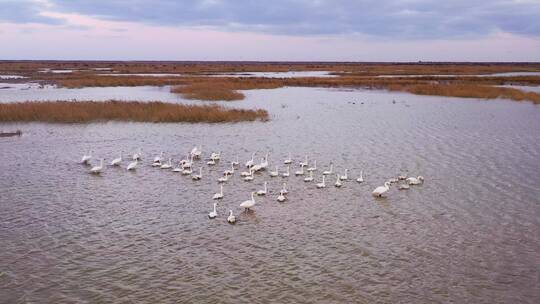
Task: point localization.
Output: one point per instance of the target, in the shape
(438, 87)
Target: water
(468, 235)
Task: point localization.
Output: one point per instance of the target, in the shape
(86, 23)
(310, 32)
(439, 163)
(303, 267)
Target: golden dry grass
(467, 91)
(88, 111)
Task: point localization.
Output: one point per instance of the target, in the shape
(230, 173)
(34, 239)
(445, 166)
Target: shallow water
(468, 235)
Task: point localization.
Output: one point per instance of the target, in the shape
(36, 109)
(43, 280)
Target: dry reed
(89, 111)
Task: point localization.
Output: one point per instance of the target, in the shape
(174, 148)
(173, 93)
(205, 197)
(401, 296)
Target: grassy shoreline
(132, 111)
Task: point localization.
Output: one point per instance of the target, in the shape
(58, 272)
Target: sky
(279, 30)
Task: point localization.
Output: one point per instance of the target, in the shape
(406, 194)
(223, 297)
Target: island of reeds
(127, 111)
(205, 81)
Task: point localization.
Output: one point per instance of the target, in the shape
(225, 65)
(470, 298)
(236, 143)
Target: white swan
(286, 173)
(321, 184)
(415, 180)
(246, 173)
(211, 162)
(258, 167)
(231, 218)
(185, 160)
(281, 198)
(331, 171)
(189, 163)
(300, 172)
(179, 168)
(97, 169)
(284, 190)
(156, 164)
(249, 203)
(314, 168)
(197, 176)
(264, 163)
(133, 165)
(345, 176)
(167, 165)
(263, 191)
(158, 158)
(215, 156)
(229, 172)
(249, 163)
(86, 158)
(338, 184)
(404, 187)
(310, 177)
(274, 173)
(196, 152)
(219, 195)
(223, 179)
(236, 163)
(288, 160)
(117, 161)
(250, 176)
(361, 178)
(187, 171)
(137, 155)
(402, 177)
(304, 163)
(379, 191)
(213, 214)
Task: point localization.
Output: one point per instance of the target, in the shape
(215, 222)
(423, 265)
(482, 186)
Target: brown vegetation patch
(89, 111)
(467, 91)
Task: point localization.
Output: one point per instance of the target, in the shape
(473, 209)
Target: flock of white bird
(185, 167)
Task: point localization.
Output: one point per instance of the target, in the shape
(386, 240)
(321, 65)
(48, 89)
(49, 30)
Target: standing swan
(97, 169)
(132, 165)
(361, 178)
(322, 184)
(219, 195)
(231, 218)
(345, 176)
(213, 214)
(86, 158)
(379, 191)
(262, 192)
(117, 161)
(249, 203)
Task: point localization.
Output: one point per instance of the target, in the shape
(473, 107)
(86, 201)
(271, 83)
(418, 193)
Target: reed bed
(468, 91)
(90, 111)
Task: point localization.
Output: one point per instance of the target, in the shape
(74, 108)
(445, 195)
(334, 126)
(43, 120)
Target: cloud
(392, 19)
(25, 11)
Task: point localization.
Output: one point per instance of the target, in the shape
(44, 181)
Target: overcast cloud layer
(418, 19)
